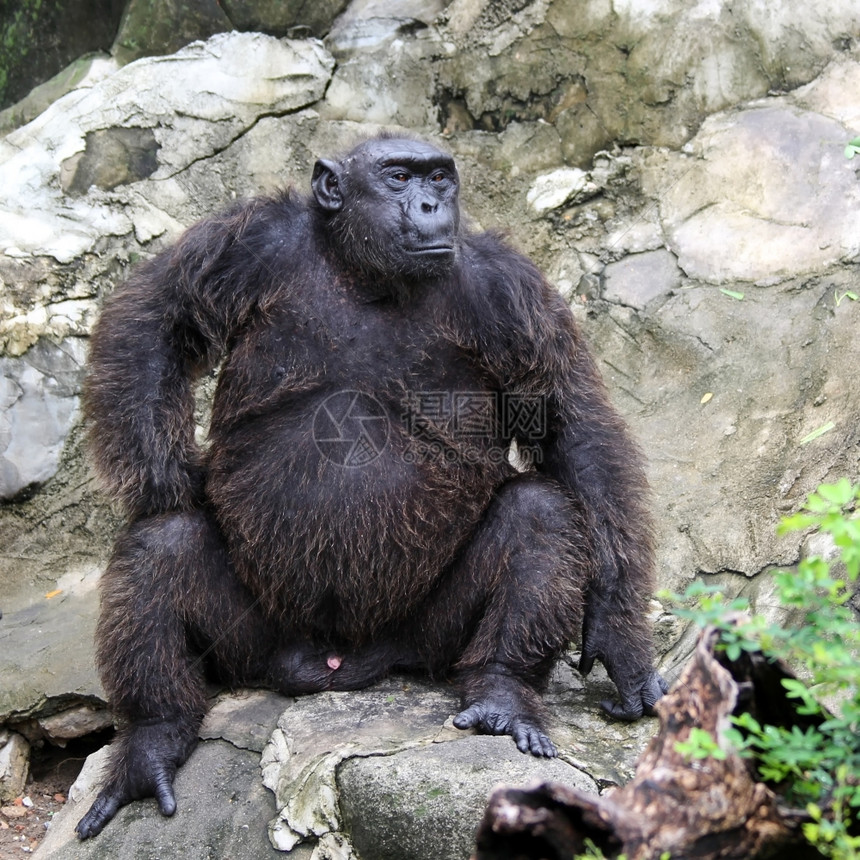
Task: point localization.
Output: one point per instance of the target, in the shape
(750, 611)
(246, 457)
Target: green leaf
(747, 721)
(797, 523)
(852, 148)
(840, 493)
(732, 294)
(699, 745)
(825, 428)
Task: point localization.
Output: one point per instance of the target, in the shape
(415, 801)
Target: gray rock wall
(677, 169)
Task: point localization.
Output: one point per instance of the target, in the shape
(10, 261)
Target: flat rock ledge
(375, 774)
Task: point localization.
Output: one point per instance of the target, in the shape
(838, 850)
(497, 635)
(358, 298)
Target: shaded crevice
(567, 93)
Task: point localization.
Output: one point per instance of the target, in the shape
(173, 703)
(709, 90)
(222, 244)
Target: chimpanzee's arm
(157, 333)
(589, 450)
(528, 337)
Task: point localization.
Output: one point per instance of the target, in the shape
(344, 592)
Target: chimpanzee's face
(395, 207)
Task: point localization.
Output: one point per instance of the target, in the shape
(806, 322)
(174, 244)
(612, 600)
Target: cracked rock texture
(675, 167)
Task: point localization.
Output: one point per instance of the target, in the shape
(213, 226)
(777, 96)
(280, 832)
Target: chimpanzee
(356, 508)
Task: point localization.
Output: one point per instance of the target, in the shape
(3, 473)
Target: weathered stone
(830, 93)
(396, 806)
(521, 61)
(300, 762)
(745, 439)
(367, 24)
(639, 278)
(730, 211)
(74, 723)
(229, 822)
(386, 55)
(156, 27)
(553, 190)
(373, 728)
(47, 649)
(566, 275)
(14, 765)
(83, 71)
(392, 85)
(319, 737)
(279, 17)
(111, 157)
(39, 395)
(582, 135)
(246, 75)
(244, 719)
(539, 140)
(39, 39)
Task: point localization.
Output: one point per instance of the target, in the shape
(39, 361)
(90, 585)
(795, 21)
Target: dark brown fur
(262, 560)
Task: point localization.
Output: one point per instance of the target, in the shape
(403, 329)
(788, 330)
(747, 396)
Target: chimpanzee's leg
(170, 601)
(510, 606)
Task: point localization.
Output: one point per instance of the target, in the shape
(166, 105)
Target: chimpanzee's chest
(369, 342)
(307, 345)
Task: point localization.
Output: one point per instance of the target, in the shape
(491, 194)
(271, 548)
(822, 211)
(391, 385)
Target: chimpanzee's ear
(326, 185)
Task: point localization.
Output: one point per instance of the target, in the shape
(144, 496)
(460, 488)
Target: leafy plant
(592, 852)
(817, 766)
(700, 744)
(852, 147)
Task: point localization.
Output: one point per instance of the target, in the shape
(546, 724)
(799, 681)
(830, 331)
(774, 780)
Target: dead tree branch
(701, 808)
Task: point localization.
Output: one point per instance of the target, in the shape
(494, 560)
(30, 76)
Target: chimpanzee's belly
(358, 502)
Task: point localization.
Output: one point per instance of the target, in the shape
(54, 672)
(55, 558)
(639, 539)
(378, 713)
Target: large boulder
(374, 774)
(39, 39)
(600, 72)
(39, 395)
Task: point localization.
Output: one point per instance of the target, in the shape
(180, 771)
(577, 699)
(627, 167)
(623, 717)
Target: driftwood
(699, 808)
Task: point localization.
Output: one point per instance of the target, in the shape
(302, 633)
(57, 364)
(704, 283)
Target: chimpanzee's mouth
(431, 250)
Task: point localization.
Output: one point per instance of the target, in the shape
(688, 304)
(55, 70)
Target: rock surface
(228, 821)
(39, 397)
(426, 784)
(182, 108)
(695, 207)
(377, 773)
(14, 765)
(39, 39)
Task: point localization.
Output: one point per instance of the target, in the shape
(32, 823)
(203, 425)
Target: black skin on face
(354, 512)
(393, 208)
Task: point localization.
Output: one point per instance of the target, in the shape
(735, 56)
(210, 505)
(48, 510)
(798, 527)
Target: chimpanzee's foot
(144, 763)
(499, 704)
(637, 700)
